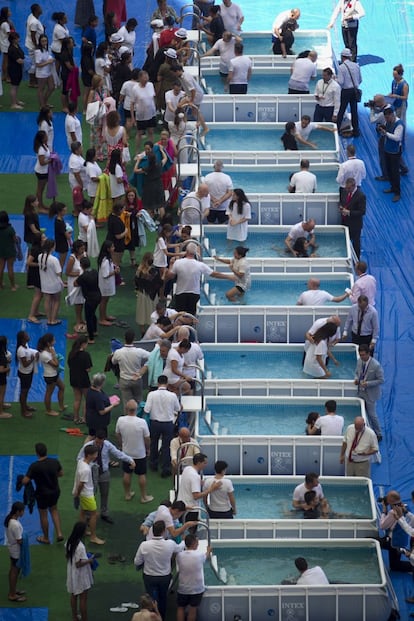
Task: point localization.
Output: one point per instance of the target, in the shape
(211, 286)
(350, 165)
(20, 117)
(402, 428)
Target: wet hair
(178, 505)
(331, 405)
(241, 251)
(325, 332)
(241, 198)
(77, 245)
(185, 344)
(300, 247)
(219, 466)
(15, 508)
(76, 346)
(310, 477)
(199, 458)
(309, 496)
(190, 540)
(289, 126)
(21, 341)
(301, 563)
(158, 528)
(312, 418)
(47, 248)
(75, 537)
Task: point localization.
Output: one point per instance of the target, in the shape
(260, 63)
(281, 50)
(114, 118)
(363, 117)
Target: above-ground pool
(264, 510)
(263, 137)
(269, 361)
(255, 416)
(275, 289)
(274, 80)
(269, 242)
(254, 571)
(273, 180)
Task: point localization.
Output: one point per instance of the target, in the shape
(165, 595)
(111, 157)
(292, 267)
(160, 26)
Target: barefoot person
(14, 540)
(83, 490)
(241, 270)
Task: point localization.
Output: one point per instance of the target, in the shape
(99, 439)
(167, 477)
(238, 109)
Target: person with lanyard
(328, 97)
(396, 520)
(352, 208)
(359, 443)
(369, 376)
(349, 78)
(351, 12)
(393, 132)
(363, 321)
(352, 168)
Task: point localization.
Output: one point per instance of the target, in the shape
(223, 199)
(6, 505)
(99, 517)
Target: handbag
(126, 155)
(358, 91)
(95, 111)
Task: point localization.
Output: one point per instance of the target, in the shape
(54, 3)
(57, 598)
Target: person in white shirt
(220, 188)
(221, 503)
(332, 341)
(143, 108)
(34, 29)
(328, 97)
(130, 359)
(352, 168)
(154, 557)
(240, 71)
(183, 448)
(305, 126)
(303, 182)
(331, 424)
(192, 489)
(127, 32)
(170, 515)
(240, 267)
(351, 12)
(302, 71)
(73, 127)
(232, 16)
(196, 205)
(314, 575)
(134, 438)
(163, 406)
(93, 172)
(83, 489)
(314, 296)
(311, 483)
(77, 170)
(125, 97)
(224, 47)
(191, 586)
(178, 381)
(318, 352)
(365, 284)
(194, 95)
(359, 444)
(301, 229)
(284, 16)
(193, 356)
(172, 99)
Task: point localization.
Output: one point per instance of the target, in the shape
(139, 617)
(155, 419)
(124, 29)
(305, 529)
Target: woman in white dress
(51, 283)
(73, 270)
(106, 271)
(44, 62)
(41, 148)
(239, 213)
(79, 577)
(318, 351)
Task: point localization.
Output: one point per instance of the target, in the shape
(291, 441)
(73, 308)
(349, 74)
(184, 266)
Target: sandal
(41, 539)
(22, 598)
(114, 464)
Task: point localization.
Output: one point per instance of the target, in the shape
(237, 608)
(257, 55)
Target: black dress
(33, 276)
(29, 236)
(153, 196)
(15, 69)
(78, 365)
(116, 227)
(61, 242)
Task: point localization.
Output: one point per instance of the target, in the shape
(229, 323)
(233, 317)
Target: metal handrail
(192, 152)
(194, 8)
(184, 208)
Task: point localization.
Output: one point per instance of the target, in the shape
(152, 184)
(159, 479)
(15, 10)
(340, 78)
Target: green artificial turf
(46, 584)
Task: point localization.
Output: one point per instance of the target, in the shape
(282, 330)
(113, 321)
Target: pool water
(271, 364)
(278, 419)
(260, 139)
(260, 83)
(265, 566)
(272, 181)
(275, 501)
(261, 45)
(274, 293)
(271, 244)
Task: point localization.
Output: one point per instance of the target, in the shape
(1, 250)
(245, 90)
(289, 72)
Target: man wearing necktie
(352, 207)
(362, 320)
(369, 376)
(360, 442)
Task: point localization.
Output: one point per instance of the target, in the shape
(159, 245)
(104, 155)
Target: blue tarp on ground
(24, 614)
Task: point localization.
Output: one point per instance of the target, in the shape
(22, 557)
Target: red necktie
(354, 445)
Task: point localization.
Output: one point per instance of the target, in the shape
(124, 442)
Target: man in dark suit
(369, 376)
(352, 208)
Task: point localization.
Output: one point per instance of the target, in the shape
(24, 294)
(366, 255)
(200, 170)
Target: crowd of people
(117, 99)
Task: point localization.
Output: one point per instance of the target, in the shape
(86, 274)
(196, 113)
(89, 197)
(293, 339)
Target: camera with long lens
(369, 104)
(381, 499)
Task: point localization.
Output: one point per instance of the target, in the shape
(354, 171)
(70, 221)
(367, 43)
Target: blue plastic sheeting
(18, 131)
(9, 328)
(46, 223)
(24, 614)
(11, 466)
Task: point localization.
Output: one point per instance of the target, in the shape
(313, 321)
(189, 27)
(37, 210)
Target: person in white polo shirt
(315, 296)
(314, 575)
(304, 229)
(331, 424)
(221, 503)
(190, 565)
(162, 406)
(133, 435)
(130, 359)
(191, 489)
(240, 71)
(220, 188)
(303, 182)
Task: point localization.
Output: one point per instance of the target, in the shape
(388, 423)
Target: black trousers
(187, 302)
(355, 235)
(323, 113)
(349, 35)
(392, 163)
(348, 97)
(238, 89)
(90, 318)
(157, 587)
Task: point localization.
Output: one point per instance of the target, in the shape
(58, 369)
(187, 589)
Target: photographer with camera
(376, 107)
(398, 523)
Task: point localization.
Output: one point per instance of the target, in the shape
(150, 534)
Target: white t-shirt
(311, 365)
(153, 332)
(188, 272)
(304, 182)
(192, 204)
(42, 170)
(132, 430)
(314, 297)
(42, 56)
(297, 231)
(130, 359)
(33, 25)
(49, 129)
(162, 405)
(83, 221)
(305, 132)
(106, 282)
(4, 37)
(226, 51)
(129, 38)
(190, 565)
(59, 33)
(50, 280)
(231, 16)
(330, 425)
(218, 184)
(190, 482)
(314, 575)
(76, 165)
(242, 266)
(163, 514)
(73, 126)
(300, 491)
(25, 352)
(143, 101)
(219, 499)
(168, 372)
(303, 70)
(92, 170)
(160, 258)
(126, 92)
(169, 312)
(14, 532)
(191, 357)
(117, 189)
(48, 370)
(84, 475)
(189, 83)
(239, 67)
(238, 231)
(172, 99)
